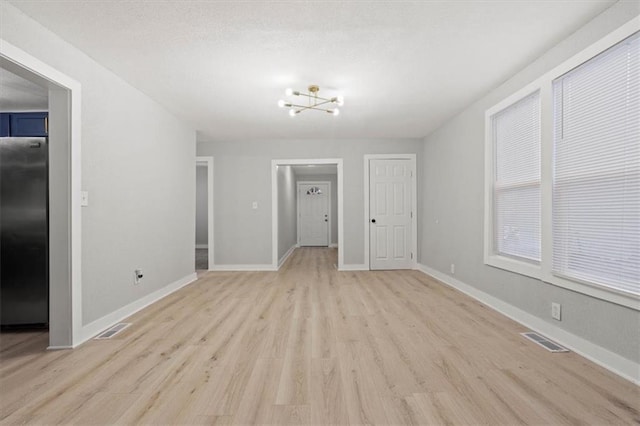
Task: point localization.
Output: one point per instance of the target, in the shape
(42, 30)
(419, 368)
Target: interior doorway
(285, 176)
(204, 232)
(24, 211)
(64, 198)
(391, 239)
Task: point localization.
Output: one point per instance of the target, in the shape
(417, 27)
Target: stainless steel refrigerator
(24, 232)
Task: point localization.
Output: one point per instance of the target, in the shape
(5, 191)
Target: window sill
(628, 300)
(513, 265)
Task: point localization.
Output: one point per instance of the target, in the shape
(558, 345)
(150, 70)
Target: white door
(390, 234)
(313, 214)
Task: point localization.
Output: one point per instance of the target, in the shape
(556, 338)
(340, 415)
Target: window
(596, 185)
(562, 173)
(516, 185)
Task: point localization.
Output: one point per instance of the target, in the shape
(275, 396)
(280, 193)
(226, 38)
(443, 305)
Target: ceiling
(315, 170)
(404, 67)
(18, 94)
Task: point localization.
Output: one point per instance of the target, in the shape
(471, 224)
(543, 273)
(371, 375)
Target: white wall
(452, 191)
(138, 166)
(333, 181)
(202, 223)
(243, 175)
(287, 217)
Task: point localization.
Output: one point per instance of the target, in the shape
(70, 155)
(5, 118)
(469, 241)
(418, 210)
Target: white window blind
(596, 186)
(516, 187)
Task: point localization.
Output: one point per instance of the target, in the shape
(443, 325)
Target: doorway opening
(64, 193)
(288, 177)
(204, 243)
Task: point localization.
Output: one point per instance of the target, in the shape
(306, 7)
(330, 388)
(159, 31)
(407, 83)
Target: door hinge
(411, 255)
(410, 173)
(411, 214)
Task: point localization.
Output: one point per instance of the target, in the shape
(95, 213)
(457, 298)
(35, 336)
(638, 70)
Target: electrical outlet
(556, 311)
(453, 268)
(137, 276)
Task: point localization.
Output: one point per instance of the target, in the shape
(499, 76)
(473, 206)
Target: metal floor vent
(544, 342)
(109, 333)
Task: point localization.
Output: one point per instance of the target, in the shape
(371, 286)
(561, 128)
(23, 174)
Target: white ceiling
(18, 94)
(315, 170)
(403, 67)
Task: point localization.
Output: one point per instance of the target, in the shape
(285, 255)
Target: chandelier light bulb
(292, 112)
(336, 111)
(340, 100)
(288, 92)
(281, 103)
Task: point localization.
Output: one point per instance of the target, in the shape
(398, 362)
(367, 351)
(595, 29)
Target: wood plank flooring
(310, 345)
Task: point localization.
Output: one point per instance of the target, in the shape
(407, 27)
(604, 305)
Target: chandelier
(314, 102)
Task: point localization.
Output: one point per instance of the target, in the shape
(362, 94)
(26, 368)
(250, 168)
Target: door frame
(207, 161)
(414, 204)
(338, 162)
(65, 183)
(298, 184)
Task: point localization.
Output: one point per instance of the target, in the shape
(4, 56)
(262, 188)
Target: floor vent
(109, 333)
(544, 342)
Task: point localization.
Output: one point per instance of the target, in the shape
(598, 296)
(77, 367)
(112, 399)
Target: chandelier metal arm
(314, 97)
(311, 106)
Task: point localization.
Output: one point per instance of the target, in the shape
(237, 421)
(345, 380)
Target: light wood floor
(310, 345)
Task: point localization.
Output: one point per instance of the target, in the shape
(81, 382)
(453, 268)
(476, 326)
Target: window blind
(516, 188)
(596, 185)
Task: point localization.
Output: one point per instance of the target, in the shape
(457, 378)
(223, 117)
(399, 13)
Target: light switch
(254, 205)
(84, 198)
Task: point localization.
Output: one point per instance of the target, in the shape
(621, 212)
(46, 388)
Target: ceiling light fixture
(315, 102)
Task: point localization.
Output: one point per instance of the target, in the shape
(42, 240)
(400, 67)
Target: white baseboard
(202, 246)
(603, 357)
(90, 330)
(286, 255)
(354, 267)
(333, 245)
(58, 348)
(230, 268)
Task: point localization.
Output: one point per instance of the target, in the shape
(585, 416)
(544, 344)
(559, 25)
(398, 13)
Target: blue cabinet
(20, 124)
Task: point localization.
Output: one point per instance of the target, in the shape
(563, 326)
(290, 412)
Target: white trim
(286, 255)
(603, 357)
(15, 57)
(202, 246)
(92, 329)
(209, 162)
(240, 268)
(333, 245)
(414, 204)
(490, 256)
(354, 267)
(274, 203)
(544, 85)
(329, 206)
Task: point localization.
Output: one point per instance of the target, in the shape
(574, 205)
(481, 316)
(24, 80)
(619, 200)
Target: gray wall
(138, 166)
(333, 179)
(243, 175)
(202, 237)
(452, 190)
(287, 217)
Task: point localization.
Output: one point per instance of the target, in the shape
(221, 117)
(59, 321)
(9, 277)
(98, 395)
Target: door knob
(373, 221)
(326, 220)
